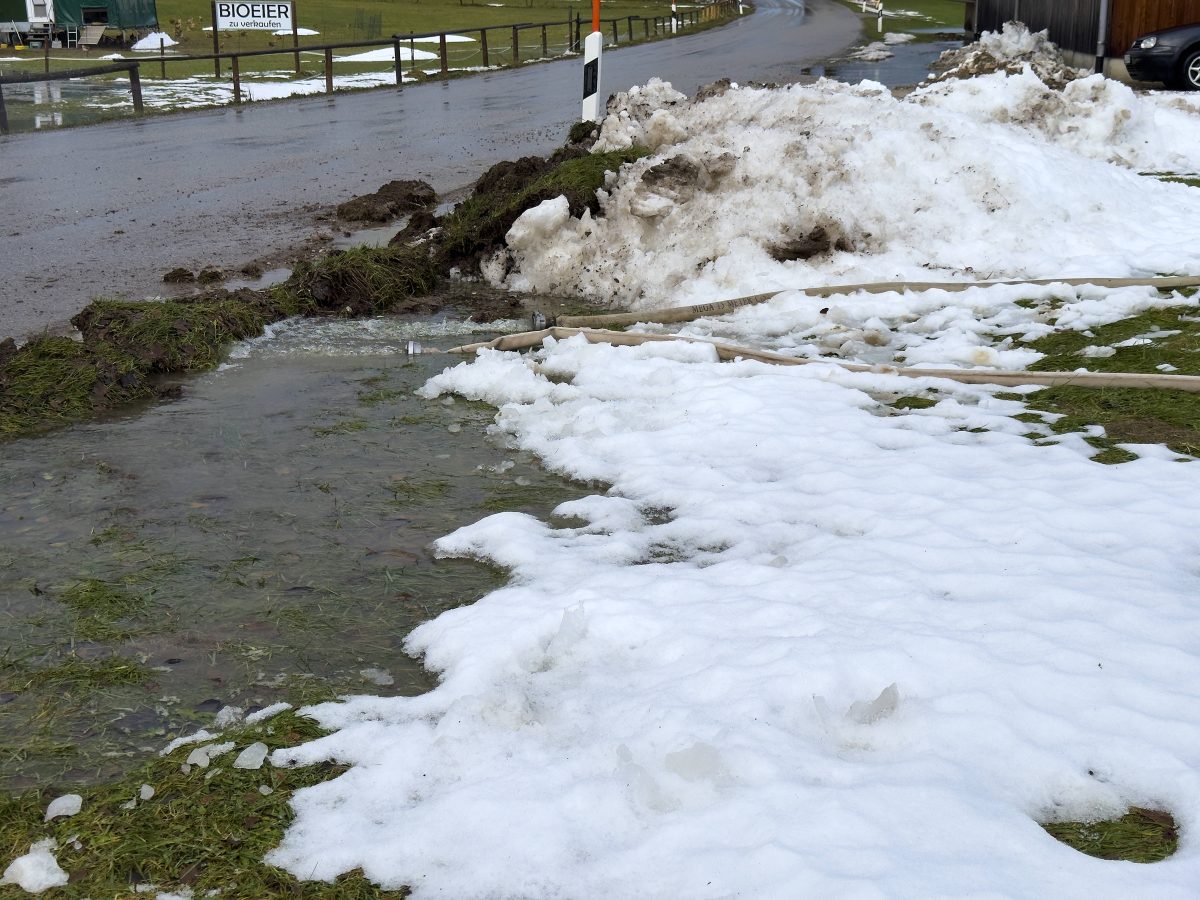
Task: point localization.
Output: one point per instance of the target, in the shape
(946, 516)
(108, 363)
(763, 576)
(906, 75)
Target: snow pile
(800, 648)
(1014, 49)
(993, 177)
(154, 40)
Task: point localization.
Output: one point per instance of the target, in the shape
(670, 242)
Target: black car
(1171, 56)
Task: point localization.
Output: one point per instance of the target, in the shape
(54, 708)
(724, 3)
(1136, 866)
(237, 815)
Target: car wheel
(1189, 73)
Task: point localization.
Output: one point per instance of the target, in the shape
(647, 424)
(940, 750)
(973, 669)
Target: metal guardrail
(651, 27)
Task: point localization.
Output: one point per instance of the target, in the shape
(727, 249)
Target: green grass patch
(926, 14)
(406, 492)
(382, 395)
(75, 674)
(1141, 835)
(207, 829)
(99, 607)
(1189, 180)
(350, 426)
(913, 403)
(1177, 344)
(1128, 415)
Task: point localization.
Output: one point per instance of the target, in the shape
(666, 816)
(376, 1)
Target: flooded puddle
(909, 63)
(263, 538)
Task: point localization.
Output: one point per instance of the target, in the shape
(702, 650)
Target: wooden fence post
(162, 58)
(483, 46)
(135, 86)
(516, 46)
(329, 70)
(3, 113)
(545, 51)
(629, 25)
(443, 53)
(616, 38)
(237, 81)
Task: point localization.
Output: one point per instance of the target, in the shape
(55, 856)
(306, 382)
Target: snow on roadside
(992, 177)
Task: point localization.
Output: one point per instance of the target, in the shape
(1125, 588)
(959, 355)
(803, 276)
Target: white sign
(253, 16)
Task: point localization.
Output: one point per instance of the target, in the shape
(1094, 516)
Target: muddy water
(275, 521)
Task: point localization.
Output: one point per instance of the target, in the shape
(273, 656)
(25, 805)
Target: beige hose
(689, 313)
(725, 351)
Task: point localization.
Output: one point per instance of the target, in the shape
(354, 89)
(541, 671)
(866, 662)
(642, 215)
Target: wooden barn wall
(1073, 23)
(1130, 19)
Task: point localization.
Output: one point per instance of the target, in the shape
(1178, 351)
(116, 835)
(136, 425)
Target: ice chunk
(252, 757)
(881, 707)
(66, 805)
(380, 677)
(37, 870)
(228, 715)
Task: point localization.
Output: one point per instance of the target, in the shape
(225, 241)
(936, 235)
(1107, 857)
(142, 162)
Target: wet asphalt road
(107, 209)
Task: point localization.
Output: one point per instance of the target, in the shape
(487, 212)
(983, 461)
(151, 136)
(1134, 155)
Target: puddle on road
(269, 533)
(909, 64)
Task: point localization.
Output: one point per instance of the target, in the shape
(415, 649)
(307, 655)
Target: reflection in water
(266, 537)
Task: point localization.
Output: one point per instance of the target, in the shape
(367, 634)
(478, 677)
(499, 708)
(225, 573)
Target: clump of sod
(206, 829)
(362, 281)
(52, 380)
(478, 224)
(175, 335)
(1141, 835)
(1164, 337)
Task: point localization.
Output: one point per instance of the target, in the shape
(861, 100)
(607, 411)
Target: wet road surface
(105, 210)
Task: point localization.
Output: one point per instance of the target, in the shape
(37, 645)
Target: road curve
(105, 210)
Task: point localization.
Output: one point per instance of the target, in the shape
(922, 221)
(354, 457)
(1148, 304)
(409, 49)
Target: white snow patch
(153, 40)
(37, 870)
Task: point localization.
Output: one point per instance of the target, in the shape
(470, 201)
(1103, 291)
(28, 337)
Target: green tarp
(12, 11)
(121, 13)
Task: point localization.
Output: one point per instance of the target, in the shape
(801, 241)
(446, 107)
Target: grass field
(907, 15)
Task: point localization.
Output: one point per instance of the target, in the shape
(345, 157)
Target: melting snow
(808, 644)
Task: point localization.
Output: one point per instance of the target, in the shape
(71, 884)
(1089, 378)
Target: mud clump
(816, 243)
(179, 276)
(393, 199)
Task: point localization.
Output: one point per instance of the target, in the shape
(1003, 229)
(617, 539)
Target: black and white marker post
(674, 18)
(593, 44)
